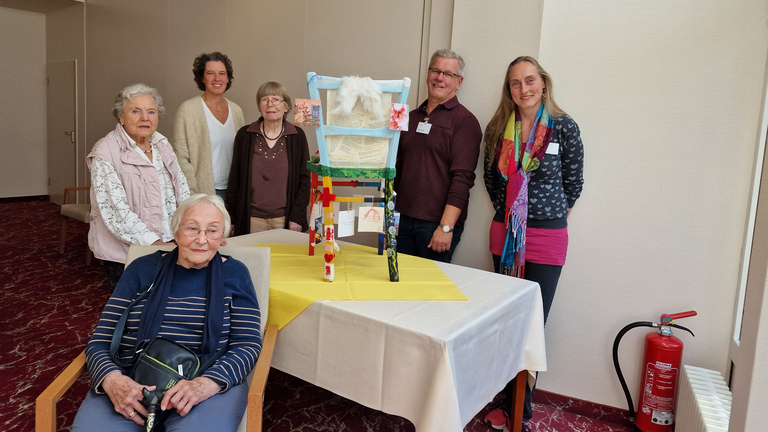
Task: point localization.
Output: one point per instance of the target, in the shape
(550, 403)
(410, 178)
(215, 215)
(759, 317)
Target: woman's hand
(293, 226)
(186, 394)
(162, 243)
(126, 396)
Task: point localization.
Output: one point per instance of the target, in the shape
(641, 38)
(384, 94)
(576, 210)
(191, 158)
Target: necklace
(264, 131)
(271, 153)
(144, 151)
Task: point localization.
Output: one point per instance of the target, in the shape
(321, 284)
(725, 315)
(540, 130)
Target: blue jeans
(220, 412)
(415, 234)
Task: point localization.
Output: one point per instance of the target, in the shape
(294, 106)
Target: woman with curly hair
(204, 128)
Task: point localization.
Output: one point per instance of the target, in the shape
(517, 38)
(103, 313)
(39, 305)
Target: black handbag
(163, 363)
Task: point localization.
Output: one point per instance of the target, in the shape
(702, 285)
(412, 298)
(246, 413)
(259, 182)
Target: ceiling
(41, 6)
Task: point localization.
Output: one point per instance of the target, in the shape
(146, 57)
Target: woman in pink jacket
(136, 182)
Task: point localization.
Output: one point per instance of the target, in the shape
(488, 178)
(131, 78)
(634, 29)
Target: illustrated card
(306, 112)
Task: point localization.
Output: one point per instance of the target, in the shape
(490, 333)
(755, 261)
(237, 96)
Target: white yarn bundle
(353, 88)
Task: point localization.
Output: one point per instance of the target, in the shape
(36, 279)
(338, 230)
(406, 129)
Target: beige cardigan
(192, 143)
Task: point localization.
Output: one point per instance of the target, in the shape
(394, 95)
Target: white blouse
(112, 200)
(222, 137)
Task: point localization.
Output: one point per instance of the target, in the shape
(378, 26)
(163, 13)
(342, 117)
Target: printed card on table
(371, 219)
(307, 112)
(398, 119)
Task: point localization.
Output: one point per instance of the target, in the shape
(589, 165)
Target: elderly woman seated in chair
(199, 299)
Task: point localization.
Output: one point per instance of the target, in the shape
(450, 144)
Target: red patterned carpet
(50, 304)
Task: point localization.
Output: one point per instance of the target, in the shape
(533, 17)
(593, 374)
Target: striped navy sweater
(183, 321)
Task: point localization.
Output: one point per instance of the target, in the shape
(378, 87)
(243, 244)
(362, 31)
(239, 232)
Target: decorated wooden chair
(257, 259)
(356, 142)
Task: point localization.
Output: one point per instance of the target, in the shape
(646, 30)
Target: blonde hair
(201, 199)
(276, 89)
(498, 122)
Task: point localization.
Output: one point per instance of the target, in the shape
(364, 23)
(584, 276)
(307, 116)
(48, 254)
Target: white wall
(23, 167)
(484, 38)
(667, 96)
(750, 376)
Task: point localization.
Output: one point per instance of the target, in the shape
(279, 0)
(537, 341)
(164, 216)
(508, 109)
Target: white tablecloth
(436, 363)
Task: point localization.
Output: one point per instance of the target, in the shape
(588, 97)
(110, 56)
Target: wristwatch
(446, 228)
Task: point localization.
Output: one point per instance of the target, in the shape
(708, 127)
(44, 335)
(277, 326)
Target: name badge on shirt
(553, 148)
(423, 128)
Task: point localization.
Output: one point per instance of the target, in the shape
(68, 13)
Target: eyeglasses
(274, 101)
(193, 231)
(437, 72)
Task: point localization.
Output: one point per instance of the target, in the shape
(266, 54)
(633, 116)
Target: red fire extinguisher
(661, 367)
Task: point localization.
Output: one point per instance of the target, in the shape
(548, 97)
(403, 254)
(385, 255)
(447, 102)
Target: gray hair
(131, 92)
(201, 199)
(446, 53)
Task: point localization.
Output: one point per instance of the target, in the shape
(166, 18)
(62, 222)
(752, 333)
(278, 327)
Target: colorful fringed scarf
(516, 161)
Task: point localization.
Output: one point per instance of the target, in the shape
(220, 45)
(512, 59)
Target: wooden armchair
(257, 260)
(79, 212)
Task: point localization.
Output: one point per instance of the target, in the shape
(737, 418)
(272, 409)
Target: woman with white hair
(199, 299)
(136, 182)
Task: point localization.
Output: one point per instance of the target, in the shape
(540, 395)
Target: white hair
(201, 199)
(446, 53)
(131, 92)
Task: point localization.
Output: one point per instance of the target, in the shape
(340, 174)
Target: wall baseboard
(26, 198)
(589, 409)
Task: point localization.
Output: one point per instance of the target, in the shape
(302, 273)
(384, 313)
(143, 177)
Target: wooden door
(62, 133)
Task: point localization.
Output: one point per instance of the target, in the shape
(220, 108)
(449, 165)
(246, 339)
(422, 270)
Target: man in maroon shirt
(436, 164)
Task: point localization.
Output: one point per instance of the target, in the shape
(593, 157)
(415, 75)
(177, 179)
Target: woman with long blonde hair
(534, 161)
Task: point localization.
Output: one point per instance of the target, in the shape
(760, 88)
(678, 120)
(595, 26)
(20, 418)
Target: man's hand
(441, 241)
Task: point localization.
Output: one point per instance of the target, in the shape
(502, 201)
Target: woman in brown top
(268, 184)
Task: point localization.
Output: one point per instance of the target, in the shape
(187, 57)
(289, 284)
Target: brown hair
(506, 106)
(198, 68)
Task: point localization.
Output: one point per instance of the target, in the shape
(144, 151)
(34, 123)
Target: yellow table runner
(296, 279)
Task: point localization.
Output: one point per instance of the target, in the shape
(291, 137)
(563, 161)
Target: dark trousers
(114, 270)
(415, 234)
(547, 277)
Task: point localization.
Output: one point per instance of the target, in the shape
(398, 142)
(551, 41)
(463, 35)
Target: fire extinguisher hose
(683, 328)
(616, 341)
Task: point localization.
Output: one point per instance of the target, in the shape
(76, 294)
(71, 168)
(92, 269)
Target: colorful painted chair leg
(330, 254)
(389, 213)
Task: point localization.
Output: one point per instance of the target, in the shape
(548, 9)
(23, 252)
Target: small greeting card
(346, 223)
(398, 118)
(371, 219)
(317, 210)
(307, 112)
